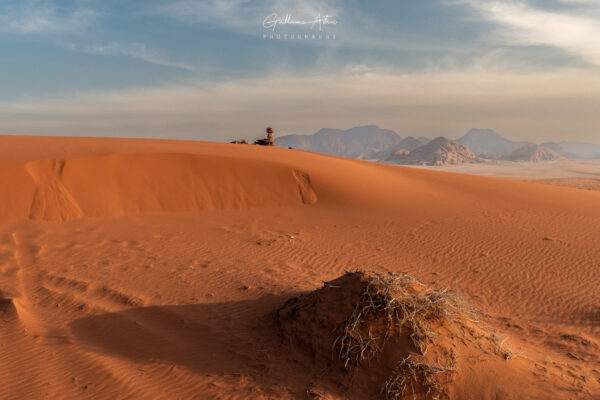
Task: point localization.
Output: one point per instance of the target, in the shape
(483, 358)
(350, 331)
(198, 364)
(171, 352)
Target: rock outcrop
(534, 153)
(440, 151)
(268, 141)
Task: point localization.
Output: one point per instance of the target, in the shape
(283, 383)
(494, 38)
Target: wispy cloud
(135, 50)
(354, 28)
(569, 29)
(35, 16)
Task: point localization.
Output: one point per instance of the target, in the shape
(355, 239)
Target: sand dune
(123, 184)
(153, 269)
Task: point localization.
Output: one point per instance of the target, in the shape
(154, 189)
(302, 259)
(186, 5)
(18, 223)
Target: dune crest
(137, 183)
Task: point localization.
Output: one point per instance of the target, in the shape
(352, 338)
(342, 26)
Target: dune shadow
(238, 338)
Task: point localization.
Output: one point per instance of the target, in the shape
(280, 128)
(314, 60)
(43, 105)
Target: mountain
(440, 151)
(373, 143)
(410, 143)
(406, 145)
(534, 153)
(558, 149)
(358, 142)
(488, 143)
(575, 150)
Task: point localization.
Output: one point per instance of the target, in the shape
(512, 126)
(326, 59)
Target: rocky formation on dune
(440, 151)
(268, 141)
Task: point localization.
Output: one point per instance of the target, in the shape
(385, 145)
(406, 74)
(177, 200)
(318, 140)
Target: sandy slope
(151, 269)
(577, 183)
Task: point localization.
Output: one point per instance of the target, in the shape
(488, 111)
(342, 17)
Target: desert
(299, 199)
(159, 269)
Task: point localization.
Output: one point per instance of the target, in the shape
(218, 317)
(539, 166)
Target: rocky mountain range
(439, 151)
(534, 153)
(478, 145)
(489, 144)
(575, 150)
(406, 145)
(352, 143)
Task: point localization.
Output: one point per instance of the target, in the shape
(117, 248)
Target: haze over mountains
(439, 151)
(487, 142)
(477, 145)
(352, 143)
(404, 146)
(535, 153)
(574, 150)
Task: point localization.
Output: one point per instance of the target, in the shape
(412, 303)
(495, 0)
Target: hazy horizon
(209, 70)
(432, 136)
(258, 134)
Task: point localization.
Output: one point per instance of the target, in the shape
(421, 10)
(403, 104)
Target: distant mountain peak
(357, 142)
(374, 143)
(534, 153)
(439, 151)
(489, 143)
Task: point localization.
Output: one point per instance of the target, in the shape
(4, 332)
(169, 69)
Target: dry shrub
(407, 307)
(413, 377)
(391, 326)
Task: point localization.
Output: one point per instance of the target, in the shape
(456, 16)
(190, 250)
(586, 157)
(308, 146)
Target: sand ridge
(121, 184)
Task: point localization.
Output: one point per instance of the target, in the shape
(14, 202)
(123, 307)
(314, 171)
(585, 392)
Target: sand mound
(390, 334)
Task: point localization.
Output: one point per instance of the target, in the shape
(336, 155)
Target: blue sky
(205, 70)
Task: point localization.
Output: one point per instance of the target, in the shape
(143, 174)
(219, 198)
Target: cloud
(573, 32)
(538, 107)
(35, 16)
(358, 69)
(135, 50)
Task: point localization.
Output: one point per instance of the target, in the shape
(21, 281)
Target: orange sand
(578, 183)
(151, 269)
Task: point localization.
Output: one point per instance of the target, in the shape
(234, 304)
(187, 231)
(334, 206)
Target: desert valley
(159, 269)
(299, 199)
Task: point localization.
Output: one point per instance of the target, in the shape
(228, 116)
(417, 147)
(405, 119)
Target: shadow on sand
(229, 338)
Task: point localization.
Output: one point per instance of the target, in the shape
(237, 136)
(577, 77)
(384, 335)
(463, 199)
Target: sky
(225, 69)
